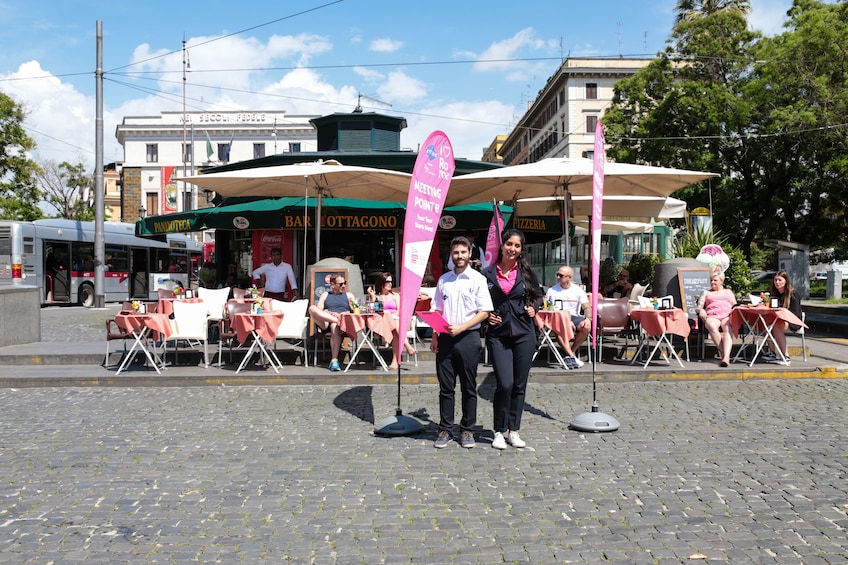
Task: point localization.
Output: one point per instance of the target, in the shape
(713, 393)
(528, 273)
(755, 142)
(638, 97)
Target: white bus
(57, 256)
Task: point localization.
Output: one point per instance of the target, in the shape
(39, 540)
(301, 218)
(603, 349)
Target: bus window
(117, 259)
(83, 253)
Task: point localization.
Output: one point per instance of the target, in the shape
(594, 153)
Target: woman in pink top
(714, 309)
(390, 300)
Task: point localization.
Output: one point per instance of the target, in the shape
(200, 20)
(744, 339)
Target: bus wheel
(86, 295)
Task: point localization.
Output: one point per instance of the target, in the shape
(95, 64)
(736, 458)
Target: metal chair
(800, 331)
(225, 332)
(613, 320)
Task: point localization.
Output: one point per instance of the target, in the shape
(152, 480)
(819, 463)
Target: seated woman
(620, 287)
(787, 297)
(391, 301)
(714, 309)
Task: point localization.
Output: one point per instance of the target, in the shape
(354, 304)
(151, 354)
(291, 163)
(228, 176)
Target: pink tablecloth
(557, 320)
(265, 324)
(130, 321)
(753, 313)
(381, 324)
(658, 322)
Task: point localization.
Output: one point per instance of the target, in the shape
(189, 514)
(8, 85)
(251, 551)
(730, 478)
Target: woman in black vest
(511, 335)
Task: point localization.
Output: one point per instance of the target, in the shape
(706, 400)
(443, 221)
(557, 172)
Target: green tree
(688, 10)
(19, 194)
(68, 189)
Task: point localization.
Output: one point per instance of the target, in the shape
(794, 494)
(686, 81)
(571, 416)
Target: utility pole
(185, 185)
(99, 212)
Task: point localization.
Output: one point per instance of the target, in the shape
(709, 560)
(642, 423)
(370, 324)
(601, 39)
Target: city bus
(57, 256)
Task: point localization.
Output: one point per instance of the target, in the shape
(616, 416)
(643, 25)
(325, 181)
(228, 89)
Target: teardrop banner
(428, 189)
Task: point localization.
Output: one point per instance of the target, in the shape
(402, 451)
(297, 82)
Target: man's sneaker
(442, 440)
(578, 362)
(499, 442)
(783, 362)
(571, 363)
(467, 440)
(515, 440)
(334, 365)
(768, 356)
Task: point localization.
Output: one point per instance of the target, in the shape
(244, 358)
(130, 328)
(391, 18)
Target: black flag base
(594, 421)
(398, 425)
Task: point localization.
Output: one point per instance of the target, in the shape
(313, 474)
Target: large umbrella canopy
(321, 178)
(556, 176)
(635, 208)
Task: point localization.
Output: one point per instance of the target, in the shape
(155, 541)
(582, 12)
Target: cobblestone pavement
(737, 471)
(75, 323)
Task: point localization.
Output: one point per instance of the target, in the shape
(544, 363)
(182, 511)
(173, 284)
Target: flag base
(594, 421)
(398, 425)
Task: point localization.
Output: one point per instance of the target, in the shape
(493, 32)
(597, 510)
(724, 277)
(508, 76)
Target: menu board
(693, 282)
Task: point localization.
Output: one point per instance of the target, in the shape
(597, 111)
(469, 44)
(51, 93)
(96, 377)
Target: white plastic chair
(295, 322)
(190, 322)
(216, 301)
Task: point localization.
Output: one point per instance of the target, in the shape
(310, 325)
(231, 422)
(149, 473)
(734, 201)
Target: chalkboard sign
(693, 282)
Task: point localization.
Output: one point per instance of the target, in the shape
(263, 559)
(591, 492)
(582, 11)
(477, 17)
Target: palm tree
(688, 10)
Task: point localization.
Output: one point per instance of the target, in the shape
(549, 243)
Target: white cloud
(401, 88)
(511, 48)
(368, 74)
(385, 45)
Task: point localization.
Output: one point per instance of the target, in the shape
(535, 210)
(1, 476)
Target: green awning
(288, 213)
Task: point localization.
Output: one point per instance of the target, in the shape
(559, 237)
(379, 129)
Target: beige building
(159, 148)
(561, 121)
(491, 154)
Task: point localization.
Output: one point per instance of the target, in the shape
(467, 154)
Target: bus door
(57, 271)
(139, 273)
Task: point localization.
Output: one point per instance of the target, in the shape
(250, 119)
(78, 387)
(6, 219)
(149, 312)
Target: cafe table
(365, 326)
(552, 324)
(659, 325)
(760, 321)
(142, 327)
(166, 305)
(263, 328)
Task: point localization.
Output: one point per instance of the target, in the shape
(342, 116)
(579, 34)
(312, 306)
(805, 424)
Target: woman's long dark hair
(530, 285)
(787, 290)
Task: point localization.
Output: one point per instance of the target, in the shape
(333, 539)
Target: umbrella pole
(318, 227)
(398, 425)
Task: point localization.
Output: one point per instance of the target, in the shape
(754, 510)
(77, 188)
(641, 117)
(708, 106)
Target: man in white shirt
(462, 297)
(274, 276)
(576, 302)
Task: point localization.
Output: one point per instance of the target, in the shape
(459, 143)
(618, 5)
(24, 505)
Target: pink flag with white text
(493, 239)
(428, 189)
(597, 218)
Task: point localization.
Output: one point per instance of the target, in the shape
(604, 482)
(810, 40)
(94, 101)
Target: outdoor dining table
(263, 328)
(659, 325)
(760, 321)
(142, 327)
(366, 326)
(553, 323)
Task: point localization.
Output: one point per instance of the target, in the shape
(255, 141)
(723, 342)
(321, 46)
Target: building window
(588, 154)
(591, 123)
(152, 152)
(258, 150)
(187, 153)
(224, 152)
(591, 91)
(294, 147)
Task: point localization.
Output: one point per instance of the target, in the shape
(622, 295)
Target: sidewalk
(78, 363)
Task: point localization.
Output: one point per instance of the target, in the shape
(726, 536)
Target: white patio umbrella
(556, 176)
(633, 208)
(318, 178)
(614, 227)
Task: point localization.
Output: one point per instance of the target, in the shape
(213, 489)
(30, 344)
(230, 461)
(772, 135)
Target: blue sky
(467, 68)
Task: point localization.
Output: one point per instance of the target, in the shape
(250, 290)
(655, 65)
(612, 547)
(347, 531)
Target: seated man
(576, 302)
(620, 287)
(325, 313)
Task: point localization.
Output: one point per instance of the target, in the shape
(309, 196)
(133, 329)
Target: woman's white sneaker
(499, 442)
(515, 440)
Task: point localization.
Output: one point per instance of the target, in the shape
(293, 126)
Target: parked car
(762, 281)
(819, 276)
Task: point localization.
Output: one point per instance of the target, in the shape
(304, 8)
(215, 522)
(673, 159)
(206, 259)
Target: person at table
(463, 300)
(789, 298)
(391, 302)
(619, 287)
(714, 307)
(276, 276)
(327, 311)
(511, 336)
(206, 275)
(576, 302)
